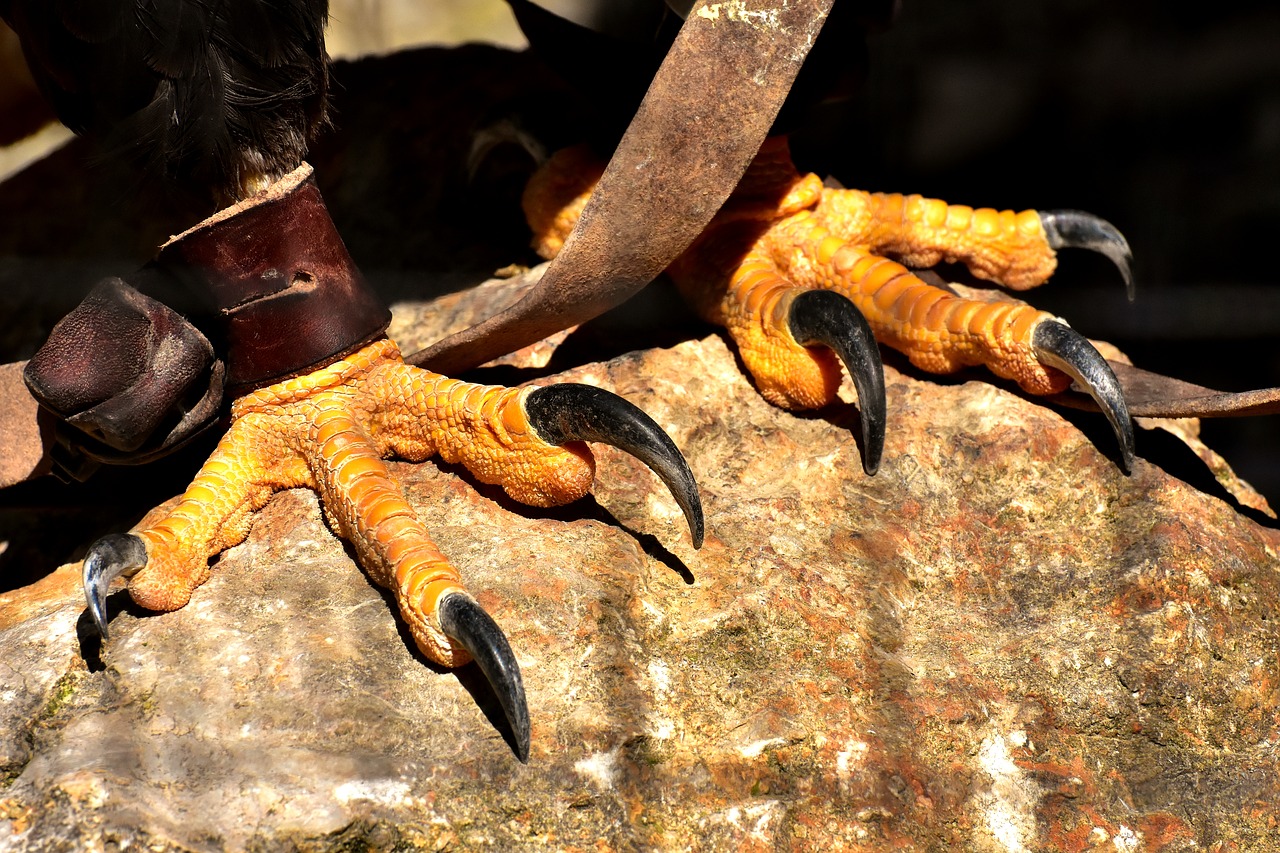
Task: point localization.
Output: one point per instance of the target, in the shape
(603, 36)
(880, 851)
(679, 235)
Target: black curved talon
(1060, 346)
(574, 412)
(110, 557)
(827, 318)
(1075, 229)
(462, 619)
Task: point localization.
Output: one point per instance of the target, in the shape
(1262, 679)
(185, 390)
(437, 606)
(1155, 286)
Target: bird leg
(783, 238)
(329, 427)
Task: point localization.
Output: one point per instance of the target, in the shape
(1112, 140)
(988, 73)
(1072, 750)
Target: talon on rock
(823, 317)
(326, 413)
(462, 619)
(789, 264)
(1062, 347)
(575, 412)
(112, 556)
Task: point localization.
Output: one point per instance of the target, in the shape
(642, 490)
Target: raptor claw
(574, 412)
(1059, 346)
(110, 557)
(830, 319)
(462, 619)
(1075, 229)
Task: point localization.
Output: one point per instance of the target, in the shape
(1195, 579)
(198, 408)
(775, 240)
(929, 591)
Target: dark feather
(176, 35)
(200, 92)
(90, 20)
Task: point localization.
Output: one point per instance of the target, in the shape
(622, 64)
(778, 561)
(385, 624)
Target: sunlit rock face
(999, 642)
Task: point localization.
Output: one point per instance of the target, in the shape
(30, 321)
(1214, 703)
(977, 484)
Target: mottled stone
(999, 642)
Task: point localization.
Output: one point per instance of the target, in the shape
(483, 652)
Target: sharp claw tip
(1075, 229)
(830, 319)
(1060, 346)
(108, 558)
(1124, 263)
(871, 466)
(873, 439)
(464, 620)
(697, 525)
(1128, 455)
(574, 412)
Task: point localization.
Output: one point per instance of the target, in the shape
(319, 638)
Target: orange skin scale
(782, 233)
(330, 431)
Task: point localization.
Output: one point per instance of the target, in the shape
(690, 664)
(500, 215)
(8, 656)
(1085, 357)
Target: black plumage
(215, 95)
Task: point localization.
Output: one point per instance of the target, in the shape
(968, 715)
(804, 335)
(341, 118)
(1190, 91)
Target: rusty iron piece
(1152, 395)
(703, 119)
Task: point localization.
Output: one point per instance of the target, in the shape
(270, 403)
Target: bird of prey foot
(802, 276)
(329, 428)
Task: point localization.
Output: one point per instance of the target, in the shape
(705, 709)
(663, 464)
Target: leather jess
(131, 380)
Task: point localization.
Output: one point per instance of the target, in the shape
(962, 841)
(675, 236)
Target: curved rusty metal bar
(1153, 395)
(703, 119)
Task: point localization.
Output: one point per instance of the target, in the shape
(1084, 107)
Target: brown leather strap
(288, 296)
(128, 378)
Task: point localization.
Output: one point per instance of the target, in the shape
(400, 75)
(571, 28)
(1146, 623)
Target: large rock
(999, 642)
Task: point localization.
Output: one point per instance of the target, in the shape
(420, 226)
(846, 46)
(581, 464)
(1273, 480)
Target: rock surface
(998, 643)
